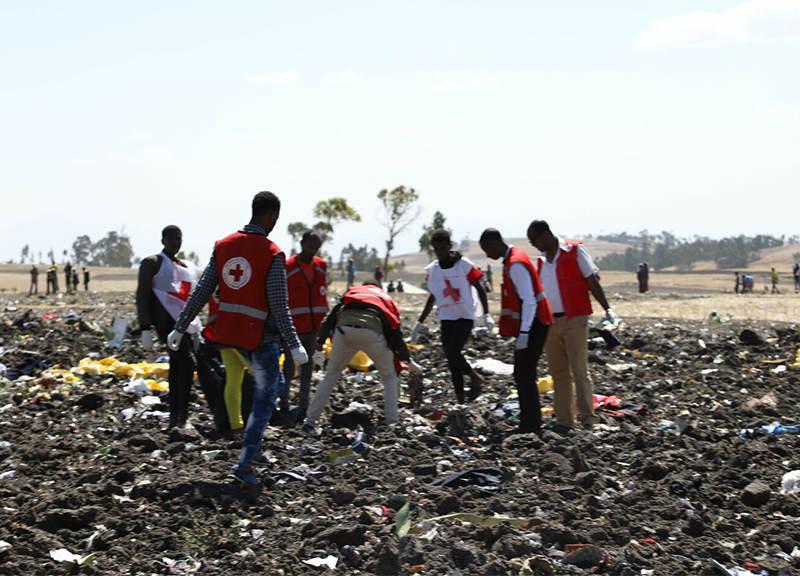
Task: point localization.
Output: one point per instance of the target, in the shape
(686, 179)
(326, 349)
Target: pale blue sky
(597, 116)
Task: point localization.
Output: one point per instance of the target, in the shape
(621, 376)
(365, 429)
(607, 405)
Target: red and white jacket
(572, 284)
(308, 300)
(510, 303)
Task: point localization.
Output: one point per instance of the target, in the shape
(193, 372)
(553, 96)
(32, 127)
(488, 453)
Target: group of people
(262, 303)
(71, 279)
(745, 283)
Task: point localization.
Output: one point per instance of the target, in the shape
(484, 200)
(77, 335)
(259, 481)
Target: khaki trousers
(567, 360)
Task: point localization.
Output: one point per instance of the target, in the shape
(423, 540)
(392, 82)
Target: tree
(24, 256)
(400, 210)
(113, 250)
(52, 256)
(425, 240)
(332, 212)
(82, 250)
(296, 231)
(191, 257)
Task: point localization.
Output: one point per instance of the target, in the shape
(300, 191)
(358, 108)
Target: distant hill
(782, 258)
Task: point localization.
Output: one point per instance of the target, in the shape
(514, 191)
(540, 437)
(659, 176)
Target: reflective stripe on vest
(242, 309)
(507, 312)
(306, 310)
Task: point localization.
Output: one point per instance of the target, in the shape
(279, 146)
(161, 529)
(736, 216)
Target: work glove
(414, 367)
(611, 315)
(522, 341)
(299, 355)
(147, 339)
(415, 332)
(174, 340)
(319, 358)
(488, 321)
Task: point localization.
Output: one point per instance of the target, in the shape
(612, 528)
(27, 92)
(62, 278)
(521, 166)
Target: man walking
(366, 319)
(34, 289)
(165, 283)
(253, 315)
(568, 277)
(308, 304)
(525, 315)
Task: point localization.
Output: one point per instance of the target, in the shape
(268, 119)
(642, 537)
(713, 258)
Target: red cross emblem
(454, 293)
(183, 294)
(236, 273)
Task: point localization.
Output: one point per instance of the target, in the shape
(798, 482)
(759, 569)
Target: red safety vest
(243, 261)
(571, 283)
(375, 297)
(511, 305)
(308, 301)
(213, 311)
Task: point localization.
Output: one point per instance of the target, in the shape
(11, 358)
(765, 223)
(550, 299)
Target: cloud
(451, 48)
(750, 21)
(348, 77)
(272, 79)
(453, 86)
(777, 112)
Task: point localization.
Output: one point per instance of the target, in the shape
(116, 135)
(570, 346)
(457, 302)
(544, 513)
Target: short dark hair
(169, 229)
(539, 227)
(440, 235)
(371, 283)
(265, 202)
(491, 235)
(310, 234)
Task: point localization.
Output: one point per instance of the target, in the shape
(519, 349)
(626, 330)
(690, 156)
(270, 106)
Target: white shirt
(523, 286)
(550, 280)
(452, 289)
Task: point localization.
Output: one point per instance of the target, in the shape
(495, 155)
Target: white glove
(611, 315)
(299, 355)
(488, 321)
(415, 332)
(414, 367)
(319, 358)
(522, 341)
(174, 340)
(147, 339)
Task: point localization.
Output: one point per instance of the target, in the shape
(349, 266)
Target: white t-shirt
(550, 280)
(452, 289)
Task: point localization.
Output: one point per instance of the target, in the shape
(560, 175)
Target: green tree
(82, 250)
(425, 240)
(113, 250)
(24, 256)
(191, 257)
(400, 209)
(332, 212)
(296, 231)
(52, 256)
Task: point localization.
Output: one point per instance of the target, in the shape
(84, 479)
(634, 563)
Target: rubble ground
(666, 484)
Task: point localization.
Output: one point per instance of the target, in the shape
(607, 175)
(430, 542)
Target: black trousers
(455, 335)
(525, 363)
(182, 364)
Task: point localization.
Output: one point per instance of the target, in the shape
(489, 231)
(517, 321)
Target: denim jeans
(264, 363)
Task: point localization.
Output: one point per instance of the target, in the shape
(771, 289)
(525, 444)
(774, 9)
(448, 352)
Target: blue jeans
(269, 381)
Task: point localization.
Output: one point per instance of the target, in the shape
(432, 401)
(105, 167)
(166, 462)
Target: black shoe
(560, 429)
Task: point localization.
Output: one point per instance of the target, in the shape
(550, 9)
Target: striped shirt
(279, 323)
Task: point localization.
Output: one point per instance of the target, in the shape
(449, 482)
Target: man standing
(568, 277)
(68, 277)
(52, 278)
(490, 285)
(378, 276)
(775, 282)
(75, 280)
(34, 289)
(796, 274)
(308, 304)
(450, 279)
(253, 315)
(85, 279)
(351, 273)
(738, 283)
(525, 315)
(643, 275)
(165, 283)
(366, 319)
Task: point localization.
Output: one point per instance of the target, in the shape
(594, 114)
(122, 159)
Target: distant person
(52, 279)
(85, 279)
(525, 315)
(351, 273)
(308, 303)
(34, 289)
(775, 282)
(400, 287)
(450, 278)
(749, 284)
(643, 275)
(738, 283)
(568, 276)
(378, 276)
(165, 283)
(68, 277)
(390, 287)
(796, 275)
(490, 284)
(75, 280)
(253, 316)
(366, 319)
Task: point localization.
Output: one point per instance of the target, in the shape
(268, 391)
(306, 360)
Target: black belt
(350, 326)
(558, 314)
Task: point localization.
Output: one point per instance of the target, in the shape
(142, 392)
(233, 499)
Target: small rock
(143, 441)
(513, 546)
(751, 338)
(91, 401)
(755, 494)
(586, 557)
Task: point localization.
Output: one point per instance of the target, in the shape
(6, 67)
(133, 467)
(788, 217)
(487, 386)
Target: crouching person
(366, 319)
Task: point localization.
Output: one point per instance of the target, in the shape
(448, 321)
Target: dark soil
(668, 492)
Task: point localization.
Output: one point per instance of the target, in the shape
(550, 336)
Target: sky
(595, 116)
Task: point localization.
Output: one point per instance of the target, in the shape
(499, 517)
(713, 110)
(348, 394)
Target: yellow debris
(117, 368)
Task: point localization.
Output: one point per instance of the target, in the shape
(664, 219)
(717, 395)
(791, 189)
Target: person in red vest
(252, 316)
(568, 276)
(308, 303)
(525, 315)
(366, 319)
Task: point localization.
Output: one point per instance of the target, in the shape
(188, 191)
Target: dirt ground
(665, 485)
